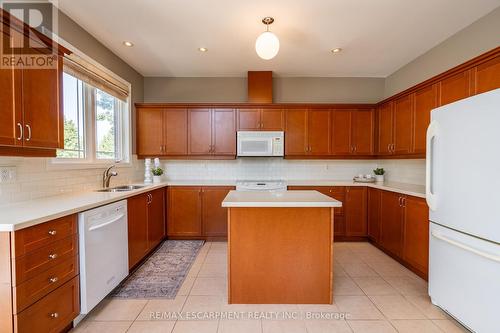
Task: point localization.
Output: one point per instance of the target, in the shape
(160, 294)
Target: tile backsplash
(35, 179)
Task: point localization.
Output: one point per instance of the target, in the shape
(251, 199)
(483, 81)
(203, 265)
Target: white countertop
(279, 199)
(16, 216)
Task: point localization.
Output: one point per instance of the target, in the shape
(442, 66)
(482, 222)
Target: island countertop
(279, 199)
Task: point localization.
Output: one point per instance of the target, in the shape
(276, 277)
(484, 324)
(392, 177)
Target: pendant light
(267, 44)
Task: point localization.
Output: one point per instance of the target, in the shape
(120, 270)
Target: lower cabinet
(146, 224)
(355, 211)
(399, 224)
(197, 212)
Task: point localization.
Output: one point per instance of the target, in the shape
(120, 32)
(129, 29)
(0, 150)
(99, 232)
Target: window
(95, 124)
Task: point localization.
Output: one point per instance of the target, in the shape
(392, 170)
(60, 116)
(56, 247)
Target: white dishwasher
(103, 252)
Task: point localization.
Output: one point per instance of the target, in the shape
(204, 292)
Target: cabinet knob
(52, 232)
(53, 256)
(53, 279)
(54, 315)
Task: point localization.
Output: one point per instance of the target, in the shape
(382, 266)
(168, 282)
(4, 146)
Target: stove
(265, 185)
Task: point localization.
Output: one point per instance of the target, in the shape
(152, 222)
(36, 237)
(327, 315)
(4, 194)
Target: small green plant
(379, 171)
(157, 171)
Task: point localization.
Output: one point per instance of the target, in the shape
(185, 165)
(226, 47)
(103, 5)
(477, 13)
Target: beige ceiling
(377, 36)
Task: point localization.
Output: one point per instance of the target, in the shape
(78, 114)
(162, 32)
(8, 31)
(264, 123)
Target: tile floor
(372, 292)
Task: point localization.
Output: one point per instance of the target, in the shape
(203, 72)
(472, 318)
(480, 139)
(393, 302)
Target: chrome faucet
(106, 176)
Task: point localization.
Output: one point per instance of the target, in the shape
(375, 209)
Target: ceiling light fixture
(336, 50)
(128, 44)
(267, 44)
(202, 49)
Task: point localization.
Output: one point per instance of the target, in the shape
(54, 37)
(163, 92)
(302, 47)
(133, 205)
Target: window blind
(91, 74)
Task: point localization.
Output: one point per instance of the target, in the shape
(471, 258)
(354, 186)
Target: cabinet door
(374, 198)
(10, 113)
(403, 117)
(224, 132)
(487, 75)
(184, 211)
(424, 101)
(214, 216)
(137, 211)
(249, 119)
(416, 233)
(362, 131)
(149, 129)
(355, 211)
(341, 132)
(176, 131)
(42, 110)
(296, 132)
(319, 132)
(455, 88)
(385, 125)
(200, 132)
(391, 226)
(272, 120)
(156, 218)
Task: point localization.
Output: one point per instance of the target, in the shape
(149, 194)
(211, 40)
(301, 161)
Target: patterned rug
(162, 274)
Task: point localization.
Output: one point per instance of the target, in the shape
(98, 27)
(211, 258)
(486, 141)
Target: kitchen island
(280, 247)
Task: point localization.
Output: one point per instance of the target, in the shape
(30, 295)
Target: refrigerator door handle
(430, 196)
(465, 247)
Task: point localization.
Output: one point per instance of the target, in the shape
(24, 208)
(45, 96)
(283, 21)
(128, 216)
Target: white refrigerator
(463, 194)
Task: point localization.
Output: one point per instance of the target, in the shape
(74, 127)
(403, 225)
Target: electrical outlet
(7, 174)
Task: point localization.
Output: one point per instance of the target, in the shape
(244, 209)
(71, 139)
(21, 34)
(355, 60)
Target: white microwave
(260, 143)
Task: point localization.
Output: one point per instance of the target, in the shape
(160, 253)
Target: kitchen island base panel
(280, 255)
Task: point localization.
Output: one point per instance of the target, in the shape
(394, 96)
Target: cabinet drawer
(32, 290)
(53, 312)
(33, 238)
(32, 264)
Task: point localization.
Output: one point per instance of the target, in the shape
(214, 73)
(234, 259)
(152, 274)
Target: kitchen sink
(123, 188)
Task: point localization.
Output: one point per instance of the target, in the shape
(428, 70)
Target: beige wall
(71, 32)
(479, 37)
(286, 90)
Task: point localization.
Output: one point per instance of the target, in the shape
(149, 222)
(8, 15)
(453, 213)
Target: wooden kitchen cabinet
(214, 216)
(487, 75)
(260, 120)
(137, 212)
(175, 132)
(403, 121)
(455, 87)
(355, 211)
(184, 211)
(424, 101)
(319, 132)
(374, 217)
(296, 132)
(195, 212)
(391, 225)
(212, 132)
(150, 131)
(385, 129)
(353, 132)
(416, 233)
(146, 224)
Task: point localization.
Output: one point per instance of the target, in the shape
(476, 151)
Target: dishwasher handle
(102, 225)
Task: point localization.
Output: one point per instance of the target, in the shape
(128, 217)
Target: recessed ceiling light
(127, 43)
(202, 49)
(336, 50)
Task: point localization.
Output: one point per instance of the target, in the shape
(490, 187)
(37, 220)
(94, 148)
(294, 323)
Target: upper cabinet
(402, 129)
(260, 120)
(308, 132)
(353, 132)
(456, 87)
(31, 109)
(487, 75)
(424, 100)
(385, 129)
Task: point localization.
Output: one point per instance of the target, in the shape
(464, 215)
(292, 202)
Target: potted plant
(379, 174)
(157, 172)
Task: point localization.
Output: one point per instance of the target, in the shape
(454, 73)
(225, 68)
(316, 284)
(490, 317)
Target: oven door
(255, 145)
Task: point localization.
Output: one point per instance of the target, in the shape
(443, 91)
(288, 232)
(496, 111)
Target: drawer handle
(53, 256)
(54, 315)
(52, 232)
(53, 279)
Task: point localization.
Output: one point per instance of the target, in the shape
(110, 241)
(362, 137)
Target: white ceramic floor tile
(155, 308)
(209, 286)
(151, 327)
(358, 307)
(238, 326)
(409, 285)
(195, 327)
(114, 309)
(323, 326)
(415, 326)
(213, 270)
(371, 326)
(107, 327)
(450, 326)
(284, 326)
(358, 269)
(343, 285)
(203, 304)
(186, 286)
(375, 286)
(397, 307)
(423, 303)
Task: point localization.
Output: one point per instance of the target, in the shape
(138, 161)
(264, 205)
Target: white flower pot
(156, 179)
(379, 178)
